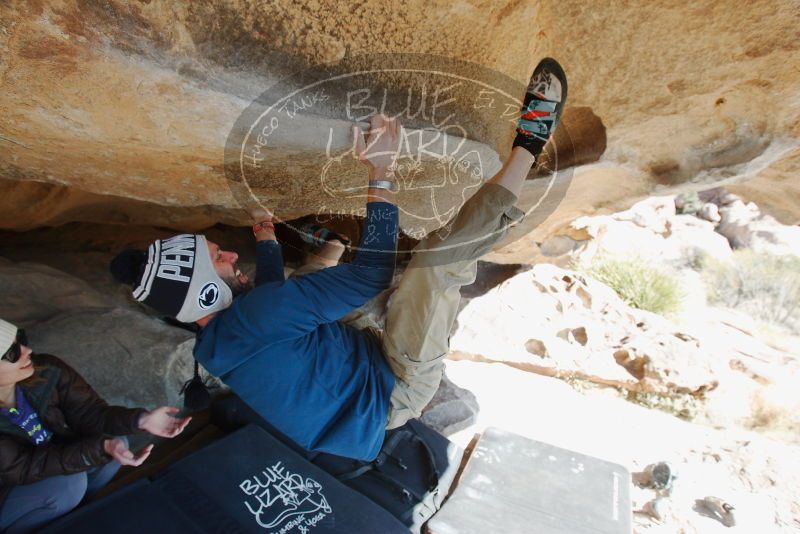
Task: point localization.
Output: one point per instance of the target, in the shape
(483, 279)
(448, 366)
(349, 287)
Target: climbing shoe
(542, 107)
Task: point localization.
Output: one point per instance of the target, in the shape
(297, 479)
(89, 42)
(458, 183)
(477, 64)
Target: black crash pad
(134, 509)
(246, 482)
(512, 484)
(251, 482)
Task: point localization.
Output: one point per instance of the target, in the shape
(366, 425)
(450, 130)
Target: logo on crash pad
(208, 296)
(284, 501)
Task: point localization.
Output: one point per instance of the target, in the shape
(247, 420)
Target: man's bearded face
(226, 265)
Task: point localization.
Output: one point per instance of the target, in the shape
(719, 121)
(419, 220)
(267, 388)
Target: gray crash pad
(513, 484)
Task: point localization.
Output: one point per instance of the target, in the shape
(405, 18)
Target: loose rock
(716, 508)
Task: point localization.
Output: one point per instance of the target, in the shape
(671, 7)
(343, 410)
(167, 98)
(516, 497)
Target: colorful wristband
(263, 225)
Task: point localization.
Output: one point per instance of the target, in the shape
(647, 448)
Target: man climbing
(279, 346)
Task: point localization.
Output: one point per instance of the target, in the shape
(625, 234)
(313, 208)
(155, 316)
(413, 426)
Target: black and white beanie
(179, 279)
(8, 335)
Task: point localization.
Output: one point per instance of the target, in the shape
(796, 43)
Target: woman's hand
(161, 422)
(117, 449)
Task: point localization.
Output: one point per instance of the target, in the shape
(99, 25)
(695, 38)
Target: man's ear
(205, 320)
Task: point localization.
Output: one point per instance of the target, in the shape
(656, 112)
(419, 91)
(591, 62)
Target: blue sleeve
(297, 306)
(269, 262)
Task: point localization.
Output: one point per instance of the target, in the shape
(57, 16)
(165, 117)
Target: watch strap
(383, 184)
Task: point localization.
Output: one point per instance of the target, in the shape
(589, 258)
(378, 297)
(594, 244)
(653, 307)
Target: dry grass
(639, 284)
(764, 286)
(776, 411)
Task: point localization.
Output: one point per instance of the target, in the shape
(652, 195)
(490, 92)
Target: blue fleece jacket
(280, 348)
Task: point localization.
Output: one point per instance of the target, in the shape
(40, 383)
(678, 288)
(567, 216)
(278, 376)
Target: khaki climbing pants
(422, 310)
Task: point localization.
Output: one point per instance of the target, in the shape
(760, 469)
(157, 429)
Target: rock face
(134, 101)
(651, 229)
(452, 409)
(745, 226)
(120, 111)
(559, 323)
(677, 230)
(128, 357)
(704, 63)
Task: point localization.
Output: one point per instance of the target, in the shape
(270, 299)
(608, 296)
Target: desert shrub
(638, 283)
(776, 410)
(765, 286)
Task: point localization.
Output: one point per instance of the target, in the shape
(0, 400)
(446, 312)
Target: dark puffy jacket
(78, 418)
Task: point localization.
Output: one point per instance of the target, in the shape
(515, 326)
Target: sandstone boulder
(650, 230)
(709, 212)
(130, 358)
(693, 237)
(452, 408)
(120, 111)
(560, 323)
(746, 227)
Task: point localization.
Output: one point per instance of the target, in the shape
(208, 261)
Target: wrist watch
(383, 184)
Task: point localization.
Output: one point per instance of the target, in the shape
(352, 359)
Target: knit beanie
(8, 335)
(179, 279)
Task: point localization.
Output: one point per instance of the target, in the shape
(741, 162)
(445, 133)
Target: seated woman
(56, 435)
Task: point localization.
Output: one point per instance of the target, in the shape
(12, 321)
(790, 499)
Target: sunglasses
(15, 351)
